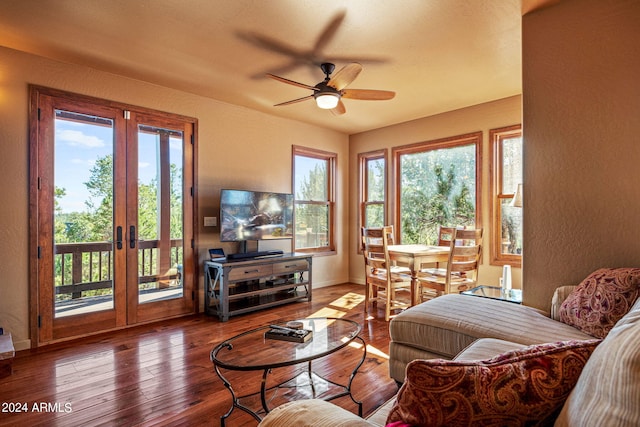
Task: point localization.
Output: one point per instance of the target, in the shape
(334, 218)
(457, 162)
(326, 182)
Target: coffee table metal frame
(312, 377)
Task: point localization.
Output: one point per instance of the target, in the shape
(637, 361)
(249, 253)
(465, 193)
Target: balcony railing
(81, 267)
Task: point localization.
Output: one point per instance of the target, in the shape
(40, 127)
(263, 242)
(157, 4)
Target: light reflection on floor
(338, 307)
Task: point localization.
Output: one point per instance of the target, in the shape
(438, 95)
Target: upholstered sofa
(512, 365)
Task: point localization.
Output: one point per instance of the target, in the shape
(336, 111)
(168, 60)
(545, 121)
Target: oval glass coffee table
(252, 351)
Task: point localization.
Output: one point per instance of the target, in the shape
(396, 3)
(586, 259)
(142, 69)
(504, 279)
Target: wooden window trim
(363, 159)
(495, 175)
(332, 160)
(449, 142)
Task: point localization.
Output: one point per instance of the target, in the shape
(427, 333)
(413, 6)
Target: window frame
(331, 159)
(496, 137)
(363, 186)
(474, 138)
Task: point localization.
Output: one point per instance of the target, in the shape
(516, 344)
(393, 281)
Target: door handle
(119, 237)
(132, 237)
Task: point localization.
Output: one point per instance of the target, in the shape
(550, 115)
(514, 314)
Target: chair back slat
(445, 236)
(468, 237)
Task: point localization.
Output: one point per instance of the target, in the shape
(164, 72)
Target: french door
(112, 215)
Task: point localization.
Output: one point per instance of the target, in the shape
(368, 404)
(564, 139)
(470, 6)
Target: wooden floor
(160, 374)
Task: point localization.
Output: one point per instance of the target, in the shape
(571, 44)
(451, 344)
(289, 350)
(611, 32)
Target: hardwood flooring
(160, 374)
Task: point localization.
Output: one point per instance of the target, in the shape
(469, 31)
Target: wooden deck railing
(88, 266)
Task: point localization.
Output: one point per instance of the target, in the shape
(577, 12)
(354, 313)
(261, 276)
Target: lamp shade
(517, 198)
(327, 100)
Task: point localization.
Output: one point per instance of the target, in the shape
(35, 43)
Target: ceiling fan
(329, 92)
(305, 56)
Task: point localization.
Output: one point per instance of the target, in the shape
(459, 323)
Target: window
(437, 185)
(314, 192)
(506, 242)
(373, 172)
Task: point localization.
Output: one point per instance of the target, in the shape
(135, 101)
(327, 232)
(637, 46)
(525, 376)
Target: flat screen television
(255, 215)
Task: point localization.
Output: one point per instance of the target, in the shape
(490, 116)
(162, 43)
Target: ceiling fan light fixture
(327, 100)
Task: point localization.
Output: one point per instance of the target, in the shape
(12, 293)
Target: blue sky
(79, 145)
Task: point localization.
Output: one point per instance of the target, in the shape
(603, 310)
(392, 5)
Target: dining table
(413, 256)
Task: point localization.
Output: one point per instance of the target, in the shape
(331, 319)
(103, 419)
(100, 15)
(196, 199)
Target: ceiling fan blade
(293, 101)
(345, 76)
(339, 109)
(269, 43)
(359, 59)
(291, 82)
(328, 33)
(368, 94)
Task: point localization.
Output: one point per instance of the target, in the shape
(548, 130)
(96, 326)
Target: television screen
(255, 215)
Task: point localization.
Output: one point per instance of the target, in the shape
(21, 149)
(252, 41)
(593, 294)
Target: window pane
(312, 225)
(375, 180)
(83, 213)
(160, 240)
(506, 223)
(175, 165)
(511, 242)
(148, 186)
(374, 215)
(437, 188)
(511, 164)
(311, 179)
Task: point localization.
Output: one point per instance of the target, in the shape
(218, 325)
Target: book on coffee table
(301, 335)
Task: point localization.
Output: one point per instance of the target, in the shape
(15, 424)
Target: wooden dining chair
(445, 235)
(384, 282)
(461, 272)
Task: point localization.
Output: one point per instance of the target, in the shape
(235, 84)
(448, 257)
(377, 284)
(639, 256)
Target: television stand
(243, 285)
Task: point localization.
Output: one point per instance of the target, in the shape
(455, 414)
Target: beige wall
(581, 103)
(482, 117)
(237, 148)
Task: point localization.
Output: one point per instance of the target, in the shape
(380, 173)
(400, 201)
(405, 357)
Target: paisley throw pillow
(525, 387)
(597, 304)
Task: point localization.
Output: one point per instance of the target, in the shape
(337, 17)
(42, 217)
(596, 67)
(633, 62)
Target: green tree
(313, 187)
(100, 187)
(96, 223)
(436, 190)
(374, 213)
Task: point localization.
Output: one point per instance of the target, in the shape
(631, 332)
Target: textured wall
(581, 118)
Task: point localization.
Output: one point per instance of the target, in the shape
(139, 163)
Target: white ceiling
(437, 55)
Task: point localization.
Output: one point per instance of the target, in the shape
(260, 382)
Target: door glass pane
(160, 222)
(83, 214)
(438, 188)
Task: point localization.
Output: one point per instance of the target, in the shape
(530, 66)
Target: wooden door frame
(162, 309)
(190, 269)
